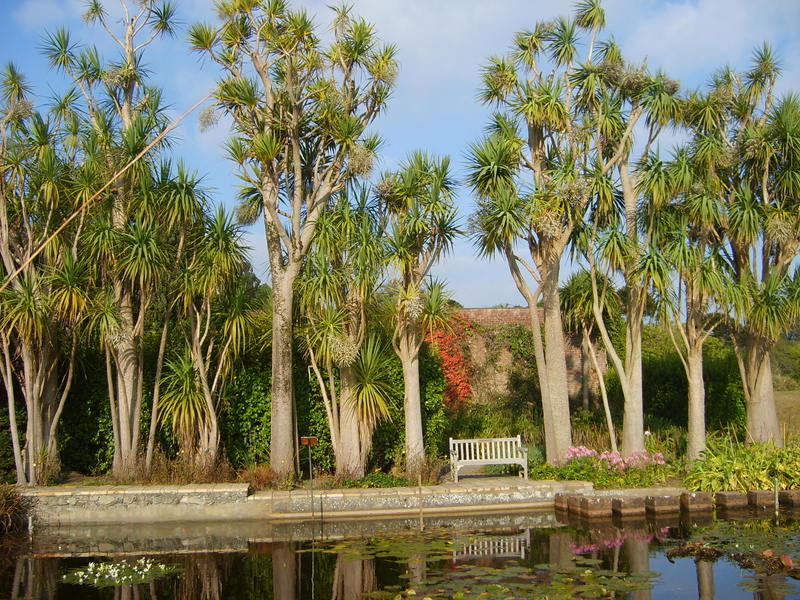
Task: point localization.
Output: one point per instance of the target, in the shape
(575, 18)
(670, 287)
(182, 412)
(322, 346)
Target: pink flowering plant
(609, 469)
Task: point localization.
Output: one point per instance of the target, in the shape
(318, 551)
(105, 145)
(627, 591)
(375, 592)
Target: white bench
(489, 451)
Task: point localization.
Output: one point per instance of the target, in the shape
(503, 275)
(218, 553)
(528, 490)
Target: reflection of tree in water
(353, 579)
(770, 587)
(705, 579)
(284, 571)
(203, 576)
(35, 578)
(638, 553)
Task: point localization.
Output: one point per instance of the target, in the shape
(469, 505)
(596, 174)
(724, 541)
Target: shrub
(666, 389)
(14, 510)
(727, 464)
(607, 469)
(260, 477)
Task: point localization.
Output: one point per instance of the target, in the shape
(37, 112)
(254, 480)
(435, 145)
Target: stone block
(789, 498)
(662, 504)
(730, 500)
(628, 506)
(696, 502)
(593, 507)
(574, 504)
(761, 499)
(560, 501)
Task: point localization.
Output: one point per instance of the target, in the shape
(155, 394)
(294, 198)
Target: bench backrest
(486, 449)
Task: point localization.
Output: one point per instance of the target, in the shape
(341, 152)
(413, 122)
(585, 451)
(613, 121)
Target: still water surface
(523, 556)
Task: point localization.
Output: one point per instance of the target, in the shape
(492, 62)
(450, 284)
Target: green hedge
(666, 389)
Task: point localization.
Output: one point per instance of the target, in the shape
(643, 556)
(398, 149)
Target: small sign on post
(308, 441)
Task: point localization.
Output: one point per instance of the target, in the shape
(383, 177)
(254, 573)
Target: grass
(788, 403)
(14, 510)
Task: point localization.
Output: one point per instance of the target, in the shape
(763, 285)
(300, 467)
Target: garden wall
(495, 380)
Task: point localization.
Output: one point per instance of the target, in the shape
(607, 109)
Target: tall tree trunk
(412, 404)
(126, 353)
(349, 462)
(282, 443)
(633, 416)
(762, 415)
(151, 435)
(697, 402)
(556, 359)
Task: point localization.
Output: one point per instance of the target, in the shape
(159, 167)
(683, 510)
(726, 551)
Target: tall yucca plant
(420, 206)
(338, 285)
(746, 142)
(42, 307)
(301, 109)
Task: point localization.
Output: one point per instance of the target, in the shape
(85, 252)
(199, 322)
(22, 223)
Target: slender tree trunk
(282, 443)
(8, 381)
(538, 352)
(697, 402)
(762, 415)
(151, 436)
(586, 373)
(412, 404)
(612, 434)
(556, 358)
(349, 463)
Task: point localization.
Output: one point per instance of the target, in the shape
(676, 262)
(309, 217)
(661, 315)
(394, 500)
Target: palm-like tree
(119, 117)
(577, 305)
(618, 240)
(555, 152)
(747, 143)
(300, 113)
(179, 202)
(338, 285)
(216, 312)
(419, 203)
(687, 231)
(41, 308)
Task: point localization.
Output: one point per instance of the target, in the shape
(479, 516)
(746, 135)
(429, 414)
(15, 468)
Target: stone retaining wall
(433, 499)
(113, 504)
(159, 504)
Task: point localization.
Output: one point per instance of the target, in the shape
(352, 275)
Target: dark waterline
(310, 562)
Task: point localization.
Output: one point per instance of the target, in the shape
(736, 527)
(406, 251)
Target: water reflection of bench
(507, 546)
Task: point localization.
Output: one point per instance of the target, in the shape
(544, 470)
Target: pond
(494, 557)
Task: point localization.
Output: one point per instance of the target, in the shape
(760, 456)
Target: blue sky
(442, 44)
